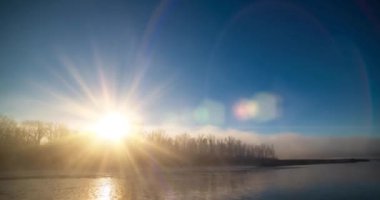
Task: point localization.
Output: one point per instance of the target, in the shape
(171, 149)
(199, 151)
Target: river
(327, 181)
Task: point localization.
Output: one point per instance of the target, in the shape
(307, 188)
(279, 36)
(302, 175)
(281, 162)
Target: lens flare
(262, 107)
(246, 109)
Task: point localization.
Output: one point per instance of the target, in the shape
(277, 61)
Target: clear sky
(310, 67)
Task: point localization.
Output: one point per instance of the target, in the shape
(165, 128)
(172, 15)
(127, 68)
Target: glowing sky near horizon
(268, 66)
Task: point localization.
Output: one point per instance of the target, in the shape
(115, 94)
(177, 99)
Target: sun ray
(73, 71)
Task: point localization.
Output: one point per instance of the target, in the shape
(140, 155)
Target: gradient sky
(312, 67)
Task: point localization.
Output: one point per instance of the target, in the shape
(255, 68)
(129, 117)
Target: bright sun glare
(113, 126)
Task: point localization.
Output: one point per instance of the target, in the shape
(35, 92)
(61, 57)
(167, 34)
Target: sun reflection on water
(104, 190)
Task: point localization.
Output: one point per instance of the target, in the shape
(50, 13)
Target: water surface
(329, 181)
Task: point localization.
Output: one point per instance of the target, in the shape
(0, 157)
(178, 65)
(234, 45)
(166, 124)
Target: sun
(113, 126)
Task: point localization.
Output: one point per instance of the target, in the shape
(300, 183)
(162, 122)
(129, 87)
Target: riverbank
(289, 162)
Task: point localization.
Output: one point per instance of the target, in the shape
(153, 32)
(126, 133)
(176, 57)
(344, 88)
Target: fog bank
(295, 145)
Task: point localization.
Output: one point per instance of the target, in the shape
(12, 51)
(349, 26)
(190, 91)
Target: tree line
(208, 149)
(38, 144)
(31, 132)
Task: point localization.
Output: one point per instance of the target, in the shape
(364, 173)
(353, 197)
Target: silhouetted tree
(36, 143)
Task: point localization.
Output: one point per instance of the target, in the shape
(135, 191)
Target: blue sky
(309, 67)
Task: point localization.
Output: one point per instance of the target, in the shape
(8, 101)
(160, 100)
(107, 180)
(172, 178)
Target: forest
(45, 145)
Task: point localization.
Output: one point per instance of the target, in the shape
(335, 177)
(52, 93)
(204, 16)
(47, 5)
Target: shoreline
(291, 162)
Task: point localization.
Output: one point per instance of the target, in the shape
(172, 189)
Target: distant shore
(289, 162)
